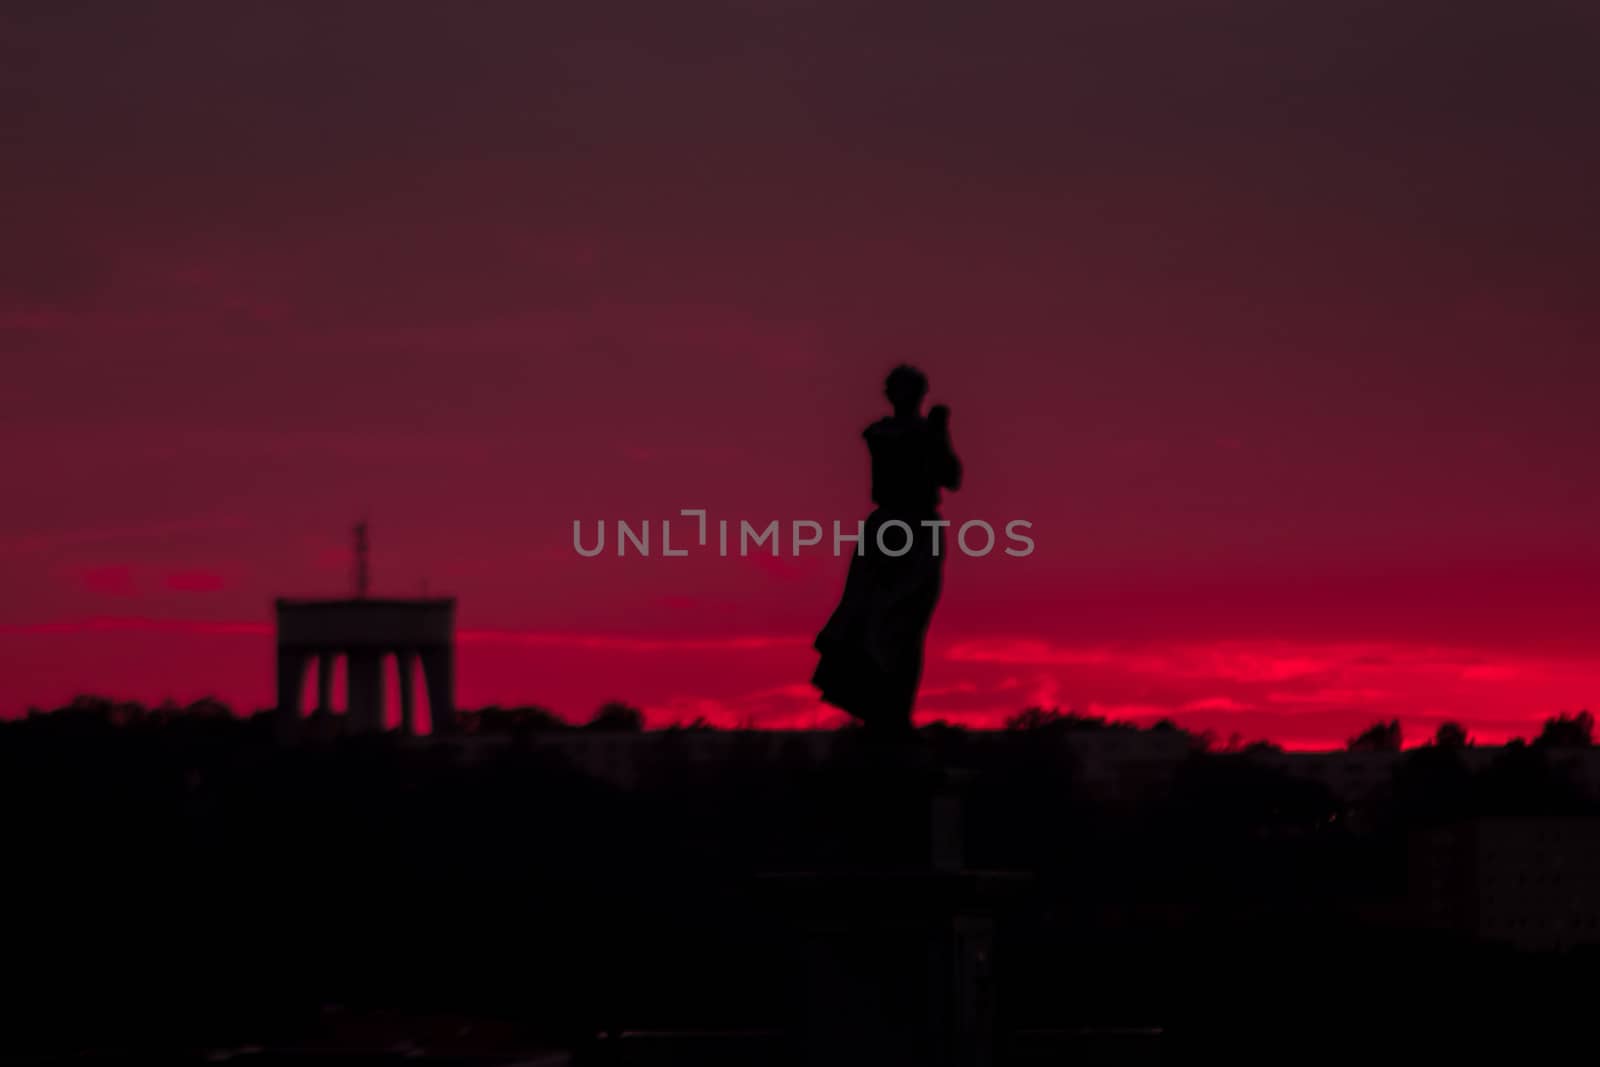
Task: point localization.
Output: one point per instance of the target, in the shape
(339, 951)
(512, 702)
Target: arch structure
(365, 631)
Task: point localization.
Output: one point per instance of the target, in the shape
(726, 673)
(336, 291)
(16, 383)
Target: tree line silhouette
(1565, 730)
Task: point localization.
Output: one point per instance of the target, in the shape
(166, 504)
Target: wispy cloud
(77, 537)
(532, 638)
(619, 643)
(136, 624)
(1243, 661)
(113, 580)
(196, 581)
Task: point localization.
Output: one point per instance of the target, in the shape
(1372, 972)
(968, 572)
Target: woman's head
(905, 388)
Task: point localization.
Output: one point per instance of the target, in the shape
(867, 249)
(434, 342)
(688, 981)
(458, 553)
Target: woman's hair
(905, 385)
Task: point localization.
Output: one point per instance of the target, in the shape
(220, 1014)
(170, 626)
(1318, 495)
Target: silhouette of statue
(871, 647)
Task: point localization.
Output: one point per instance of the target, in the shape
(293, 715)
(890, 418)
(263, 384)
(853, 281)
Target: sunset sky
(1278, 321)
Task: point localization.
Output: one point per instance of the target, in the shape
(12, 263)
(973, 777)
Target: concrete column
(406, 664)
(364, 706)
(324, 683)
(439, 670)
(291, 675)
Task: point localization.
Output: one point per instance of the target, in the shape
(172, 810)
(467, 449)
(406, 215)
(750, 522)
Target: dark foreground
(196, 889)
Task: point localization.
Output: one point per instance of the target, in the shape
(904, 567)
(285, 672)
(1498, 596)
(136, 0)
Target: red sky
(1277, 321)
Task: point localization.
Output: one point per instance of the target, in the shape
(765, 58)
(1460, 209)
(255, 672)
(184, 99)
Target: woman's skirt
(871, 647)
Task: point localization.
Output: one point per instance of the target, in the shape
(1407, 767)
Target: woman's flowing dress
(871, 647)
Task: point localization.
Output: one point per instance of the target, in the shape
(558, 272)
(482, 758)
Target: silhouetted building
(366, 631)
(1124, 764)
(1352, 777)
(1531, 881)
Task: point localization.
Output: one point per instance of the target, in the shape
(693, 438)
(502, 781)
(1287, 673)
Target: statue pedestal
(895, 965)
(896, 969)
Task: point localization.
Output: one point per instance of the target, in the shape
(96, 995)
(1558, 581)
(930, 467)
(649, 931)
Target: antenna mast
(361, 560)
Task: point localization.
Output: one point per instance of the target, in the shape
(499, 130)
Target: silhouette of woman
(871, 647)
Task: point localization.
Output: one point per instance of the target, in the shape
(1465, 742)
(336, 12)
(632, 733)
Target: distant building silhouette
(365, 631)
(1531, 881)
